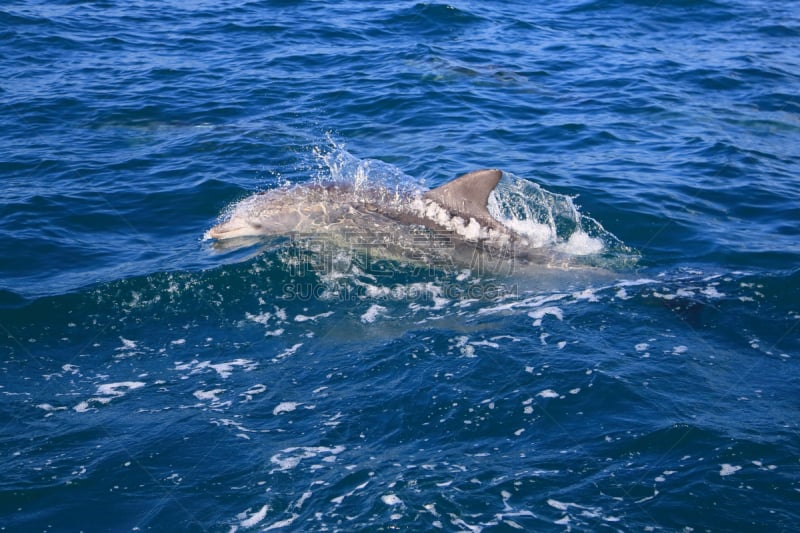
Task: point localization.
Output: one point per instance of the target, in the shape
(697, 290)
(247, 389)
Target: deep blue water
(151, 381)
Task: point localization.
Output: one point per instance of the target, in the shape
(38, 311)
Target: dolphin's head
(235, 226)
(266, 214)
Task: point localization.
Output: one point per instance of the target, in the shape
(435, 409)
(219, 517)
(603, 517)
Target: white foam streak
(256, 517)
(291, 457)
(372, 313)
(281, 523)
(107, 392)
(285, 407)
(539, 314)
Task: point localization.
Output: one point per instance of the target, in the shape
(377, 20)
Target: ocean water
(153, 380)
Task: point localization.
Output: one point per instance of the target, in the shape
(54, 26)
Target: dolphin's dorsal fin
(467, 195)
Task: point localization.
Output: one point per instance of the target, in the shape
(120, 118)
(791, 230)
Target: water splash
(546, 219)
(336, 165)
(551, 220)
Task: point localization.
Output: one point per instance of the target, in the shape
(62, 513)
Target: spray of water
(544, 218)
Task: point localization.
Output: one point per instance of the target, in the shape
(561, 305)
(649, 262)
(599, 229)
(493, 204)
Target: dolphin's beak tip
(215, 233)
(229, 230)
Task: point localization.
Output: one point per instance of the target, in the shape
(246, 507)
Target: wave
(431, 18)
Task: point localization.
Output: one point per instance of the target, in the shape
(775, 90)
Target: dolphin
(298, 209)
(449, 225)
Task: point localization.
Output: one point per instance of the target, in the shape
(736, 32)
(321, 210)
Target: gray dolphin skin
(460, 204)
(450, 224)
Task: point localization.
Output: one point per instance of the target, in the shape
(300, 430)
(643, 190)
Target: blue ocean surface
(152, 379)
